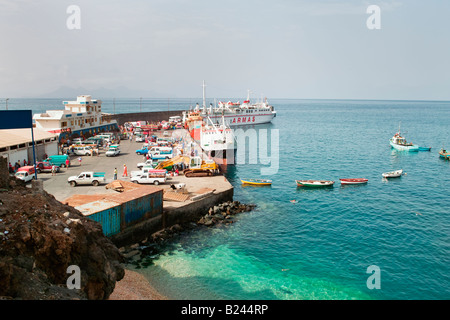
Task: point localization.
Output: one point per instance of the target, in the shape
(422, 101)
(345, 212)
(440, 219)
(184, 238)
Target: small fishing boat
(393, 174)
(444, 154)
(314, 183)
(399, 143)
(257, 182)
(424, 149)
(354, 181)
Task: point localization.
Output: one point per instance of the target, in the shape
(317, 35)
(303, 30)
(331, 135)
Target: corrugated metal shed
(115, 212)
(14, 137)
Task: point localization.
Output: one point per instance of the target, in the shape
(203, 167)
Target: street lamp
(7, 103)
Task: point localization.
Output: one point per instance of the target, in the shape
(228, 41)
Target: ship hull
(234, 120)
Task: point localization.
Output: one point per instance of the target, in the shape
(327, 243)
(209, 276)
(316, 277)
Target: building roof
(12, 137)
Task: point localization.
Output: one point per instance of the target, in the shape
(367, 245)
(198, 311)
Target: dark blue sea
(321, 246)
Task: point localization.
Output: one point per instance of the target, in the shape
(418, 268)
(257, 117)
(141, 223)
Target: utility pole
(140, 104)
(114, 105)
(7, 103)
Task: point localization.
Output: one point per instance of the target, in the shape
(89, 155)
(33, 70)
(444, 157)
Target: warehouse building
(16, 144)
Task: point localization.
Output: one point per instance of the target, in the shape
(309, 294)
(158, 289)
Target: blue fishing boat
(424, 149)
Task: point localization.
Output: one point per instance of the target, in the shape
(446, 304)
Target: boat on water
(398, 142)
(314, 183)
(444, 154)
(216, 139)
(257, 182)
(393, 174)
(238, 114)
(354, 181)
(424, 149)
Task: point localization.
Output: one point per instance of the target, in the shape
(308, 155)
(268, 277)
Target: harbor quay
(130, 212)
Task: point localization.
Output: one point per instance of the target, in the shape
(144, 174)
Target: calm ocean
(321, 246)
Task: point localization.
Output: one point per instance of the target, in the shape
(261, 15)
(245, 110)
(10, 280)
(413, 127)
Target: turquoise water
(321, 246)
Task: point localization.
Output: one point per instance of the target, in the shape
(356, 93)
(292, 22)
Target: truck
(201, 168)
(142, 151)
(152, 176)
(161, 156)
(113, 151)
(45, 166)
(87, 177)
(148, 162)
(25, 173)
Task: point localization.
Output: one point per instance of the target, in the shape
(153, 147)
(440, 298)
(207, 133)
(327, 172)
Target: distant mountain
(103, 93)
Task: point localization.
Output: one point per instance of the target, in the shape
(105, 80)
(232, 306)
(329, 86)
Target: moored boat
(399, 143)
(424, 149)
(314, 183)
(257, 182)
(393, 174)
(354, 181)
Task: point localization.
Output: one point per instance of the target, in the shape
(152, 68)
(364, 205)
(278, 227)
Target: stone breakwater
(140, 254)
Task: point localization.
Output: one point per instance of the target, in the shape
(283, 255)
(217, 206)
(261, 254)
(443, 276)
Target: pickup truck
(149, 162)
(142, 151)
(143, 170)
(87, 177)
(45, 166)
(112, 151)
(152, 176)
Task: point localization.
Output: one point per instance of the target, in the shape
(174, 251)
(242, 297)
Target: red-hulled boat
(354, 181)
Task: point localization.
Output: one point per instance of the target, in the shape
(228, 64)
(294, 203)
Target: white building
(16, 144)
(83, 116)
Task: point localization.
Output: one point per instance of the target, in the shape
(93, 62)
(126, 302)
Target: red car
(45, 166)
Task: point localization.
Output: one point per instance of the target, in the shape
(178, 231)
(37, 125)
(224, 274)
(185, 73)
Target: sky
(294, 49)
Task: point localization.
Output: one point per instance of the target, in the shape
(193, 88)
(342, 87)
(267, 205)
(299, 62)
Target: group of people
(17, 165)
(124, 174)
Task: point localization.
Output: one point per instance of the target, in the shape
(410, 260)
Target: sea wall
(191, 212)
(145, 116)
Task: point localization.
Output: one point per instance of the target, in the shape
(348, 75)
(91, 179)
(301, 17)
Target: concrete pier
(178, 207)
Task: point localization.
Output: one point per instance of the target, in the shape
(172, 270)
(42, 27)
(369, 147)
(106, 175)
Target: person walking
(79, 160)
(53, 170)
(67, 162)
(125, 173)
(115, 173)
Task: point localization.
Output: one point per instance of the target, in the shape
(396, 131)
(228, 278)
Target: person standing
(115, 173)
(79, 160)
(67, 162)
(53, 170)
(125, 173)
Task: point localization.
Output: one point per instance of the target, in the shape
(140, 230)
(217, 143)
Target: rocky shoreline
(140, 254)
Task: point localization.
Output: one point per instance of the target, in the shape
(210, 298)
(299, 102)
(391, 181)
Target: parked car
(58, 160)
(83, 150)
(142, 151)
(45, 166)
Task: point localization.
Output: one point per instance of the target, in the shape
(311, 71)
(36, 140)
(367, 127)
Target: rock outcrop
(40, 238)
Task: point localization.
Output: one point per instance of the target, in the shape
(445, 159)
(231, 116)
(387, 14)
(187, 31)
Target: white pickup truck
(151, 176)
(88, 177)
(147, 163)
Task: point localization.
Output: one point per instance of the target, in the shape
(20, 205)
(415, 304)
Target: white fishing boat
(398, 142)
(393, 174)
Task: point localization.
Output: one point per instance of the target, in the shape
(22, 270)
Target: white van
(161, 150)
(83, 151)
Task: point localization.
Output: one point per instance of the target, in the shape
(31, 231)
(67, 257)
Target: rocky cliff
(40, 238)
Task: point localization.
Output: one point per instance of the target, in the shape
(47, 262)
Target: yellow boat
(257, 182)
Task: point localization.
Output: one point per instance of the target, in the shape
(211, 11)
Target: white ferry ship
(83, 117)
(237, 114)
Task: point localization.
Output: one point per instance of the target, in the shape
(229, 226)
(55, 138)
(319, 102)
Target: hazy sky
(280, 49)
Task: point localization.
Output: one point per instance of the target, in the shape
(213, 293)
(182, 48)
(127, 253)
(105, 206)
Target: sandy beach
(135, 286)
